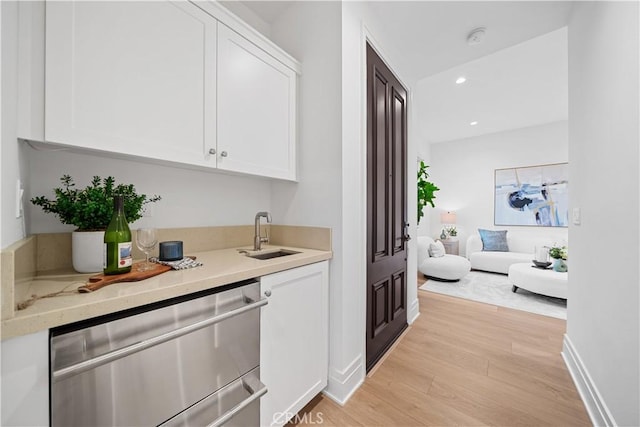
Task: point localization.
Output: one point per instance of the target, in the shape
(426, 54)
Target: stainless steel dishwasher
(193, 360)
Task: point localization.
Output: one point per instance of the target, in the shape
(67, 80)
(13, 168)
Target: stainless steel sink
(272, 254)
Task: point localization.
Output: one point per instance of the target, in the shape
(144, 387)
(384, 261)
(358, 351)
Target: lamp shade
(448, 217)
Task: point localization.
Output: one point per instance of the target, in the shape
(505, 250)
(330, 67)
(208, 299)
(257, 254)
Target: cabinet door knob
(212, 151)
(267, 293)
(223, 154)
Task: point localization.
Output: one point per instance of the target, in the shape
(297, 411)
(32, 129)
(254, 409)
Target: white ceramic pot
(87, 251)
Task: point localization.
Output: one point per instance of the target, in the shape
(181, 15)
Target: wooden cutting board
(100, 280)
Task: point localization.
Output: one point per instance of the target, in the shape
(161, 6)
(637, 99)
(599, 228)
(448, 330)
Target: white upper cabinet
(256, 109)
(176, 81)
(135, 78)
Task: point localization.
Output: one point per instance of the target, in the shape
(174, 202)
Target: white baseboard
(342, 384)
(414, 311)
(597, 409)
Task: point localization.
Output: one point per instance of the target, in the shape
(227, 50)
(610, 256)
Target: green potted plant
(452, 231)
(426, 190)
(90, 210)
(560, 254)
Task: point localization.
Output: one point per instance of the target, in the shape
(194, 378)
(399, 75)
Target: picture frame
(532, 196)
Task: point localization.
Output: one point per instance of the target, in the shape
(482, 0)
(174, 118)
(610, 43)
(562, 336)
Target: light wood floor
(464, 363)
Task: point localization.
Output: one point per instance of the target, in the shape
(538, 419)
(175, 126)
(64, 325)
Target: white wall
(464, 172)
(603, 309)
(358, 25)
(423, 153)
(310, 31)
(328, 38)
(190, 198)
(13, 164)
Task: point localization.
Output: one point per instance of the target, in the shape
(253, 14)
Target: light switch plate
(576, 216)
(19, 194)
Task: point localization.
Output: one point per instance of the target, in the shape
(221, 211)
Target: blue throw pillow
(495, 241)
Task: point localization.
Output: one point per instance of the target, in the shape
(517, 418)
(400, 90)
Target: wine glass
(146, 241)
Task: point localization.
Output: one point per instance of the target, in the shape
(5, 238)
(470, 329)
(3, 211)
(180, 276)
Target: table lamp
(447, 218)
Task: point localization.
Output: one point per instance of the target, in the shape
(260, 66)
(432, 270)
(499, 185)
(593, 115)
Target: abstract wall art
(532, 195)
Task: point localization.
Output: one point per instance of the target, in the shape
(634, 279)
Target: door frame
(413, 310)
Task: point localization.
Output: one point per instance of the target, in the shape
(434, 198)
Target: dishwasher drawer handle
(111, 356)
(250, 382)
(255, 395)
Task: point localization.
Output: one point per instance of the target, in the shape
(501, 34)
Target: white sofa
(521, 249)
(448, 268)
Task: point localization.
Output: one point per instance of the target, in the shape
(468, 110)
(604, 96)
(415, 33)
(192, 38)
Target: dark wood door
(386, 208)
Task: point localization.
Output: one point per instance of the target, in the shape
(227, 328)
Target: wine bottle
(117, 241)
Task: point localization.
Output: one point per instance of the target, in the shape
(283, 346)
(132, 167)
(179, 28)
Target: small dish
(540, 264)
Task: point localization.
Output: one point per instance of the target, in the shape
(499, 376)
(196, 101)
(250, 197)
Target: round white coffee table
(540, 281)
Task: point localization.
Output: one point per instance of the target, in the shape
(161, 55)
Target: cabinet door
(25, 380)
(293, 340)
(256, 109)
(136, 78)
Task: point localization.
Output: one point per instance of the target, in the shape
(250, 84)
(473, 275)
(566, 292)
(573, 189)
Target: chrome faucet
(258, 239)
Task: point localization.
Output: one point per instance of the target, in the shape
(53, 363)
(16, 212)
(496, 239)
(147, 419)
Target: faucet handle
(265, 239)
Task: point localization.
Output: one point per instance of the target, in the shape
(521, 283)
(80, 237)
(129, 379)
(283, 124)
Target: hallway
(465, 363)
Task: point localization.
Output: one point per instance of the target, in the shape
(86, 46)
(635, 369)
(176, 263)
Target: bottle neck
(118, 204)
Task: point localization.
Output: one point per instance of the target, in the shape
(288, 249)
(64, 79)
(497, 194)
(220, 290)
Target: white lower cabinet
(25, 380)
(293, 340)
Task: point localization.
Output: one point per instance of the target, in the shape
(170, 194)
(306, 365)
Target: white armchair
(449, 268)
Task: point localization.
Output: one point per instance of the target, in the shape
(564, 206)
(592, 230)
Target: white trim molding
(342, 384)
(414, 311)
(228, 18)
(591, 397)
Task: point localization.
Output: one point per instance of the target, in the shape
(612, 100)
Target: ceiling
(432, 35)
(515, 84)
(520, 86)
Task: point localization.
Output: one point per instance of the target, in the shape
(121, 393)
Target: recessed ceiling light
(461, 80)
(473, 123)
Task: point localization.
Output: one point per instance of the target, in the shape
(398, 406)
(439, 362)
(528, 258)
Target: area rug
(495, 289)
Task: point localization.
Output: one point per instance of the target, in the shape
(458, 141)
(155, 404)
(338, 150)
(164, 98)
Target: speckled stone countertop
(220, 267)
(21, 277)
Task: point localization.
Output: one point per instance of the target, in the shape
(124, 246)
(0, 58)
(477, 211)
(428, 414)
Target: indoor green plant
(426, 190)
(559, 253)
(90, 210)
(452, 231)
